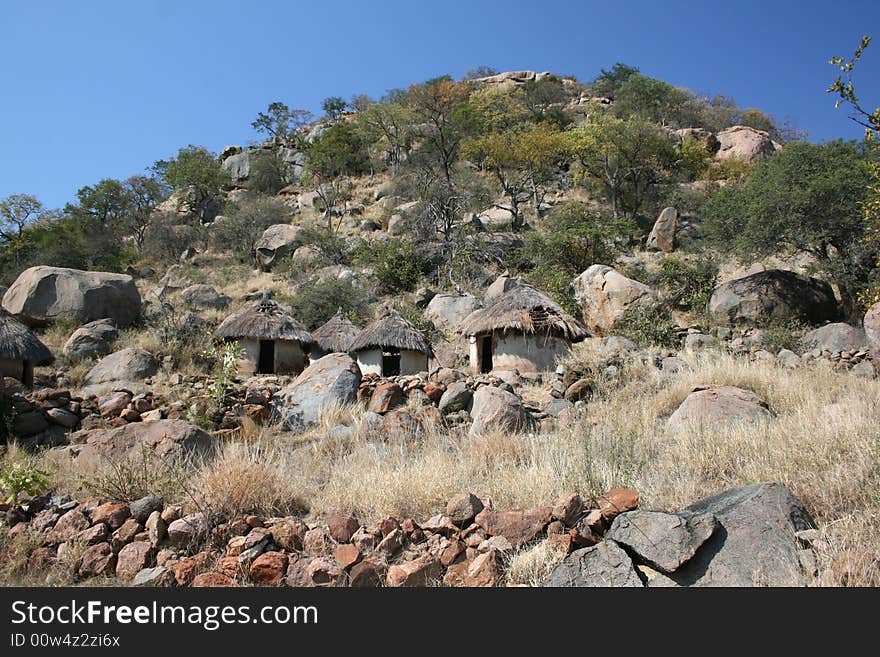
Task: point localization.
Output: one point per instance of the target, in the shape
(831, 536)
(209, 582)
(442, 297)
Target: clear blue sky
(96, 89)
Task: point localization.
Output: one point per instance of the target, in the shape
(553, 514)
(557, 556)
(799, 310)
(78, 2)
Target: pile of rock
(42, 418)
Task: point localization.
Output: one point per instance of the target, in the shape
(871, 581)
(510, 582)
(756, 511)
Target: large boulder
(449, 310)
(238, 166)
(276, 242)
(835, 337)
(499, 286)
(43, 294)
(709, 406)
(664, 541)
(662, 237)
(125, 365)
(754, 543)
(603, 565)
(498, 217)
(91, 340)
(604, 296)
(772, 295)
(744, 143)
(204, 296)
(331, 380)
(494, 409)
(166, 438)
(872, 327)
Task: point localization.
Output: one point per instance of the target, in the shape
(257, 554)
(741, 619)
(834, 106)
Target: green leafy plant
(225, 356)
(22, 479)
(648, 326)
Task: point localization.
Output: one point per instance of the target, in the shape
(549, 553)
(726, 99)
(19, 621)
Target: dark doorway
(266, 361)
(391, 363)
(486, 354)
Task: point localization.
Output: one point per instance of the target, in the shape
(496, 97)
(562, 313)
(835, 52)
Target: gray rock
(604, 296)
(557, 406)
(29, 423)
(494, 409)
(91, 340)
(865, 370)
(331, 380)
(662, 237)
(142, 508)
(41, 295)
(673, 365)
(456, 397)
(448, 311)
(276, 242)
(698, 341)
(204, 296)
(238, 166)
(835, 337)
(188, 529)
(168, 439)
(153, 577)
(125, 365)
(788, 358)
(772, 295)
(62, 417)
(872, 328)
(711, 406)
(664, 541)
(602, 565)
(617, 344)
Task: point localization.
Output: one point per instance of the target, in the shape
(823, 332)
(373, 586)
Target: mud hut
(391, 346)
(522, 329)
(20, 350)
(274, 342)
(334, 336)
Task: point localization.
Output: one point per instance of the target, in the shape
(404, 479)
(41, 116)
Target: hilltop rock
(276, 242)
(604, 295)
(772, 295)
(714, 405)
(744, 143)
(43, 294)
(238, 165)
(333, 379)
(125, 365)
(91, 340)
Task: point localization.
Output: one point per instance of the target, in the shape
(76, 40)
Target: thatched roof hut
(18, 342)
(336, 335)
(391, 331)
(525, 309)
(265, 320)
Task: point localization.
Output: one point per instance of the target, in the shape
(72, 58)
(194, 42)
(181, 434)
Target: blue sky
(97, 89)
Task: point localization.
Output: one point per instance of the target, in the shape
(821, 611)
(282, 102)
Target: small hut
(274, 342)
(522, 329)
(391, 346)
(20, 350)
(334, 336)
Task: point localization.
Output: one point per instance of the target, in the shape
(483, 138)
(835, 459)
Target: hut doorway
(391, 363)
(266, 359)
(486, 354)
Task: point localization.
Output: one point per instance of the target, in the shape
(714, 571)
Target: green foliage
(196, 173)
(608, 82)
(396, 264)
(339, 151)
(22, 479)
(280, 121)
(315, 303)
(225, 356)
(333, 107)
(267, 173)
(648, 326)
(686, 285)
(334, 249)
(242, 227)
(650, 99)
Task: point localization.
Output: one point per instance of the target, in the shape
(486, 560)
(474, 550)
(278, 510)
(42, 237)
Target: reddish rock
(324, 572)
(40, 559)
(617, 501)
(518, 527)
(133, 558)
(156, 528)
(419, 572)
(463, 508)
(391, 544)
(212, 580)
(439, 524)
(386, 396)
(68, 526)
(297, 576)
(365, 540)
(235, 546)
(316, 541)
(434, 391)
(258, 413)
(370, 572)
(113, 513)
(97, 560)
(228, 566)
(347, 555)
(483, 571)
(125, 534)
(568, 508)
(269, 568)
(256, 536)
(567, 541)
(185, 569)
(388, 525)
(452, 552)
(94, 534)
(341, 528)
(594, 521)
(400, 422)
(289, 533)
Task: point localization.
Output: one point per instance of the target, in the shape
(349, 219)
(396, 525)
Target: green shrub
(397, 265)
(648, 326)
(314, 304)
(246, 222)
(686, 285)
(22, 479)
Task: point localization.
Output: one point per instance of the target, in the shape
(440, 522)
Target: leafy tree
(497, 110)
(339, 152)
(281, 122)
(480, 72)
(315, 303)
(388, 124)
(198, 176)
(542, 99)
(650, 99)
(333, 107)
(17, 212)
(267, 172)
(396, 264)
(608, 82)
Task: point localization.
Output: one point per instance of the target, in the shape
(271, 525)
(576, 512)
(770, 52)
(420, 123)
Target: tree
(389, 125)
(543, 98)
(607, 82)
(144, 194)
(650, 99)
(17, 212)
(198, 176)
(626, 158)
(333, 107)
(246, 222)
(281, 122)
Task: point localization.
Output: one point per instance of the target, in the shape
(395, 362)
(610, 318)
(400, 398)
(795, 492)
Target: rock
(386, 396)
(152, 577)
(482, 571)
(754, 543)
(185, 570)
(124, 365)
(617, 501)
(91, 340)
(142, 508)
(68, 526)
(710, 406)
(400, 422)
(835, 337)
(872, 327)
(133, 558)
(331, 380)
(500, 285)
(698, 342)
(189, 529)
(418, 572)
(617, 345)
(347, 555)
(113, 513)
(463, 508)
(113, 404)
(662, 236)
(603, 565)
(29, 423)
(370, 572)
(517, 526)
(238, 165)
(341, 527)
(664, 541)
(448, 311)
(204, 296)
(864, 370)
(63, 418)
(604, 296)
(788, 358)
(580, 390)
(167, 438)
(568, 508)
(156, 528)
(41, 295)
(324, 572)
(289, 533)
(497, 218)
(276, 242)
(456, 397)
(269, 568)
(494, 409)
(744, 143)
(97, 560)
(772, 295)
(212, 580)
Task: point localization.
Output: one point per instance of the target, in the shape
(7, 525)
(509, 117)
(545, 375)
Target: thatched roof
(265, 320)
(527, 310)
(391, 331)
(336, 334)
(18, 342)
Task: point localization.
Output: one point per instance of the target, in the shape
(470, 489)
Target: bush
(314, 304)
(266, 173)
(395, 263)
(648, 326)
(22, 479)
(686, 285)
(243, 226)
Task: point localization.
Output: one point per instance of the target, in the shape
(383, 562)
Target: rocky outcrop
(744, 143)
(276, 242)
(125, 365)
(331, 380)
(166, 438)
(711, 406)
(837, 337)
(605, 295)
(41, 295)
(447, 311)
(772, 295)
